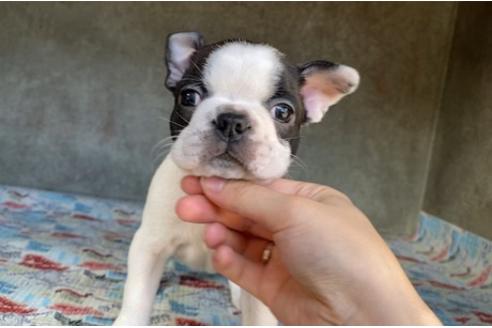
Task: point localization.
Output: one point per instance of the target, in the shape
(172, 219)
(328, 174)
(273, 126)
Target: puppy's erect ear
(179, 49)
(324, 84)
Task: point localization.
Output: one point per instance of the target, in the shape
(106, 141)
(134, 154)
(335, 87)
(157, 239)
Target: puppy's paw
(128, 320)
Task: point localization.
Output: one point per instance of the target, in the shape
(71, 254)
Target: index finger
(313, 191)
(267, 207)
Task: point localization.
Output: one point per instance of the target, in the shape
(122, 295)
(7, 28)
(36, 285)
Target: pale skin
(328, 266)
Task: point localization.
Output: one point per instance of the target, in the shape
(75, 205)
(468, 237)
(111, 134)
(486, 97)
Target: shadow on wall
(459, 188)
(82, 99)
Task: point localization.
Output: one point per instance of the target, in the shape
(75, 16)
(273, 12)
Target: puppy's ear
(179, 49)
(323, 84)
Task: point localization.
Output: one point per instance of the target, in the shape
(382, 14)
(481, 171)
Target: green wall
(460, 181)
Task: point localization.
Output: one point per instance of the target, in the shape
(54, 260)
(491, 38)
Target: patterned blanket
(63, 258)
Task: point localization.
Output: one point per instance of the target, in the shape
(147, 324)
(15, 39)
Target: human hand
(328, 263)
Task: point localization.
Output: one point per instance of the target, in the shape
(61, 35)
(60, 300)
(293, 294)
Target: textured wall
(81, 92)
(460, 181)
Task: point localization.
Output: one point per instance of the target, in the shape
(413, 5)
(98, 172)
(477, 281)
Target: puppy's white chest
(162, 235)
(161, 226)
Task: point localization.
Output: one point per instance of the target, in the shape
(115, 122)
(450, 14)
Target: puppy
(239, 107)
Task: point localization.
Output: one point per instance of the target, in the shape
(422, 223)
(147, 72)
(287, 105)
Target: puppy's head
(239, 106)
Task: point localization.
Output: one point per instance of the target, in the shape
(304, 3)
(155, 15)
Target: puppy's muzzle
(231, 127)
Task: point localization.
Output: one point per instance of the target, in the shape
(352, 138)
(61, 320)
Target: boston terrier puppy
(239, 107)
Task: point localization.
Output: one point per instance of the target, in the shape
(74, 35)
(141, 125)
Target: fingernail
(213, 184)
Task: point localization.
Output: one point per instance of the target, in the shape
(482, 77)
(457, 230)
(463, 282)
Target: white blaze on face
(243, 71)
(241, 77)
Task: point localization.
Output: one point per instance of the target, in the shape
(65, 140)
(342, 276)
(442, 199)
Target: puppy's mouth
(228, 159)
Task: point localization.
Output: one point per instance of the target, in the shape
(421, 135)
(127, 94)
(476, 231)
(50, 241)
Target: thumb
(261, 205)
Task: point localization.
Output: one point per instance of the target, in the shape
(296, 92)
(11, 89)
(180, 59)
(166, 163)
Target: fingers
(251, 247)
(312, 191)
(217, 234)
(198, 209)
(237, 268)
(272, 206)
(191, 185)
(258, 203)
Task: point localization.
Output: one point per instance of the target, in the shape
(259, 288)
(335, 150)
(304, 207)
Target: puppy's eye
(282, 112)
(190, 98)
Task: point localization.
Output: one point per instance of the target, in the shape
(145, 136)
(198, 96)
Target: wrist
(389, 298)
(414, 313)
(391, 302)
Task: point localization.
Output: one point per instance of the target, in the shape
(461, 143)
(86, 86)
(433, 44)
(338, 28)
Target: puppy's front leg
(146, 263)
(154, 242)
(254, 312)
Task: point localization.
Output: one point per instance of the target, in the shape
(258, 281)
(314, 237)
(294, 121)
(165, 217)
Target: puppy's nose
(231, 126)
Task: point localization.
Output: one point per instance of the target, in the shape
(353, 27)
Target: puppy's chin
(221, 166)
(224, 166)
(256, 157)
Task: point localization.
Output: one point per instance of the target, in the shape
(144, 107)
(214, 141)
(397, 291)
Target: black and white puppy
(239, 107)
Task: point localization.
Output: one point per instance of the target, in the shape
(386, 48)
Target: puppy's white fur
(244, 71)
(161, 235)
(239, 76)
(271, 155)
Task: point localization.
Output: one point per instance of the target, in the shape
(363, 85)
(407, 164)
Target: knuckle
(327, 195)
(344, 197)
